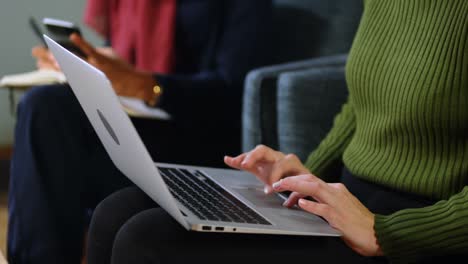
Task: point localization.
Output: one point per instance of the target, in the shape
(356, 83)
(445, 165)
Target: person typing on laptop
(402, 136)
(187, 57)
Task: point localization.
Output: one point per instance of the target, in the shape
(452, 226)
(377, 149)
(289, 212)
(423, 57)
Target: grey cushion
(259, 114)
(307, 104)
(309, 33)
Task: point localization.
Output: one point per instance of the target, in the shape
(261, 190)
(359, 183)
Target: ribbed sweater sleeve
(440, 228)
(405, 127)
(332, 147)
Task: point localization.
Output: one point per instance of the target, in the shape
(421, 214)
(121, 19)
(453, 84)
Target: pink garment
(140, 31)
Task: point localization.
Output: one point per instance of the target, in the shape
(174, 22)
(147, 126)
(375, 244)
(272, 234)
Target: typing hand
(125, 79)
(339, 207)
(44, 58)
(268, 165)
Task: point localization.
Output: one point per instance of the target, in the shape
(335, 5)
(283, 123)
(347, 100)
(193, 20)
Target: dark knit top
(405, 125)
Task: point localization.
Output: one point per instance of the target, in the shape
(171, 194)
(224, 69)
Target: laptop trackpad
(258, 198)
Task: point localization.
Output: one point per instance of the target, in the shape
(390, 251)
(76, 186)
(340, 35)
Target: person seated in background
(402, 136)
(196, 51)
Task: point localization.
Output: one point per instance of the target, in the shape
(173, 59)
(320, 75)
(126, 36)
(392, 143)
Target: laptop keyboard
(206, 199)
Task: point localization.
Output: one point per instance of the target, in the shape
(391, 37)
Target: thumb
(85, 46)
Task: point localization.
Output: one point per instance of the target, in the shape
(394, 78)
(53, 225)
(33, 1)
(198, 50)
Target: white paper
(32, 78)
(133, 106)
(137, 108)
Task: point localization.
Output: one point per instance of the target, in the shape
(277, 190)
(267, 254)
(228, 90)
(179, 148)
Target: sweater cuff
(412, 234)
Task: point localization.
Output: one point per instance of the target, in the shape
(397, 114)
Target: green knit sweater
(405, 124)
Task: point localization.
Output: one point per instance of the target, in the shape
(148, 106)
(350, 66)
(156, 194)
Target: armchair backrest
(307, 33)
(311, 28)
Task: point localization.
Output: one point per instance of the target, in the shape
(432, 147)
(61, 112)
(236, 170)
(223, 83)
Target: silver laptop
(199, 198)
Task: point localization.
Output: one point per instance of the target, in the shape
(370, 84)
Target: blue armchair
(290, 105)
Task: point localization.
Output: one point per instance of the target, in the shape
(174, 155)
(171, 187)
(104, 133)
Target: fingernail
(266, 189)
(277, 184)
(302, 201)
(285, 203)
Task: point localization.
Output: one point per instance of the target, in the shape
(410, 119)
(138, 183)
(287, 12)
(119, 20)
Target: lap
(152, 234)
(155, 235)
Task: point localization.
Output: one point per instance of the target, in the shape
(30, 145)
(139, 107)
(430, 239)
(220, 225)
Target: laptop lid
(114, 128)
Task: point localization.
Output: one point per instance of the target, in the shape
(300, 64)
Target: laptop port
(206, 228)
(219, 228)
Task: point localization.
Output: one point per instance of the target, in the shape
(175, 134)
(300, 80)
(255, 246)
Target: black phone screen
(60, 31)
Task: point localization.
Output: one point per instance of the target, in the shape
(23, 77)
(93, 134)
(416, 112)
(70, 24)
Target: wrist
(155, 95)
(149, 90)
(377, 249)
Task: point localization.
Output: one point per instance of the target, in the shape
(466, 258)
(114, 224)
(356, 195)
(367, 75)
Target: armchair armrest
(307, 104)
(259, 118)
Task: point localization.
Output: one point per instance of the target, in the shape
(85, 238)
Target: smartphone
(37, 30)
(60, 31)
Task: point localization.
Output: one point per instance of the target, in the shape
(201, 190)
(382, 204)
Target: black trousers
(60, 172)
(128, 227)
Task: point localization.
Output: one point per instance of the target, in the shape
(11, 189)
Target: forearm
(332, 147)
(440, 229)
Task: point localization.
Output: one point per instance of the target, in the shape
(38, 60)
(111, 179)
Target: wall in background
(17, 40)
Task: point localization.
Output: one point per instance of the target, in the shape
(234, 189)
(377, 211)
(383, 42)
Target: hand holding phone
(60, 31)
